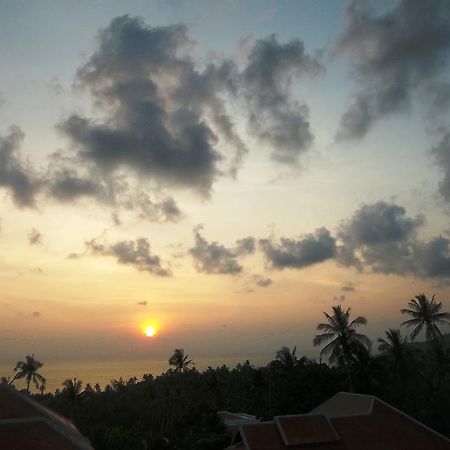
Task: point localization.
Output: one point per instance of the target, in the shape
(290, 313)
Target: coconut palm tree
(179, 360)
(393, 344)
(72, 393)
(425, 314)
(394, 347)
(344, 340)
(28, 369)
(286, 358)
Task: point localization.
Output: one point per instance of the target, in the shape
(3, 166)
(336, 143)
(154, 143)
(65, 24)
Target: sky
(223, 171)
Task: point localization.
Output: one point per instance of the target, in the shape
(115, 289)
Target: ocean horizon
(103, 371)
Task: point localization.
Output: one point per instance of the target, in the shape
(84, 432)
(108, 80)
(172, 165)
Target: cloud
(35, 237)
(290, 253)
(116, 218)
(159, 109)
(66, 186)
(134, 253)
(348, 287)
(163, 119)
(397, 54)
(261, 281)
(36, 314)
(165, 210)
(379, 236)
(143, 303)
(215, 258)
(441, 154)
(16, 175)
(434, 258)
(274, 116)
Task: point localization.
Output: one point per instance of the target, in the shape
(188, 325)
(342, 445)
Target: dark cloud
(262, 282)
(143, 303)
(397, 54)
(164, 118)
(36, 314)
(274, 116)
(34, 237)
(434, 258)
(165, 210)
(116, 218)
(348, 287)
(441, 154)
(135, 253)
(379, 236)
(245, 246)
(290, 253)
(66, 186)
(215, 258)
(15, 175)
(160, 110)
(380, 223)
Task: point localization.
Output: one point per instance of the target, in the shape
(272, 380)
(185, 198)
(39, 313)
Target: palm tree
(393, 344)
(426, 313)
(72, 393)
(42, 387)
(28, 369)
(345, 341)
(72, 387)
(286, 358)
(179, 360)
(394, 347)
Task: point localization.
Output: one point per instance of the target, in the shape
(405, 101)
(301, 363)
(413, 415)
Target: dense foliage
(177, 410)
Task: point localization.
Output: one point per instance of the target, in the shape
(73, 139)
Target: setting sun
(150, 331)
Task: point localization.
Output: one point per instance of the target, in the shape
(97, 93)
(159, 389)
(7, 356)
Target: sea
(104, 371)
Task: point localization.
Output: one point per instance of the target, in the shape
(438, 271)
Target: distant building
(27, 425)
(344, 422)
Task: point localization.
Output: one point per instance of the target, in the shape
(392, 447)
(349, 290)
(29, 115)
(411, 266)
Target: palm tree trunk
(28, 385)
(350, 377)
(347, 367)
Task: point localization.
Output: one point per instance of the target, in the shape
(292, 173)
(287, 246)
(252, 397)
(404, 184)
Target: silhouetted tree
(426, 313)
(343, 336)
(42, 387)
(179, 360)
(286, 358)
(72, 393)
(28, 369)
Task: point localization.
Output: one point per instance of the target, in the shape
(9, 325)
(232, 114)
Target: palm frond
(322, 338)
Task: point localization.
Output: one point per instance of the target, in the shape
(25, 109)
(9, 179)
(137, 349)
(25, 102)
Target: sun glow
(150, 330)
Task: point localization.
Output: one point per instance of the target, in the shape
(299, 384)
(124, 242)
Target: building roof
(25, 424)
(344, 422)
(345, 404)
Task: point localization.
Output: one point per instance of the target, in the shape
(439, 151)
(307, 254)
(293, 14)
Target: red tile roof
(306, 429)
(361, 423)
(27, 425)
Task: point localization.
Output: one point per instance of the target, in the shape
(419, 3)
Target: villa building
(344, 422)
